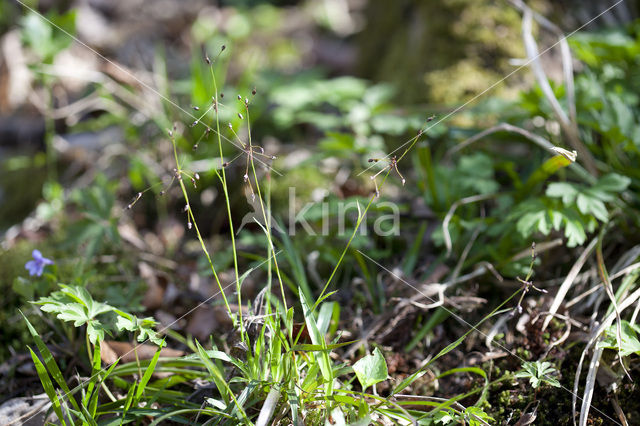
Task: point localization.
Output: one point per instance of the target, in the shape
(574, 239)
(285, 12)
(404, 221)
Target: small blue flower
(36, 266)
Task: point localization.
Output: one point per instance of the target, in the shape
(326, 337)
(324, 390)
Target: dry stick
(568, 127)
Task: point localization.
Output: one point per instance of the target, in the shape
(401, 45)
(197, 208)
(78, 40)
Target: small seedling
(538, 372)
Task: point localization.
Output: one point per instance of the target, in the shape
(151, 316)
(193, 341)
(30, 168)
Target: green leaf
(95, 331)
(48, 386)
(317, 338)
(538, 372)
(144, 327)
(629, 343)
(563, 190)
(444, 416)
(306, 347)
(74, 304)
(613, 183)
(90, 400)
(147, 375)
(50, 362)
(371, 369)
(23, 287)
(528, 223)
(214, 373)
(574, 230)
(477, 417)
(593, 206)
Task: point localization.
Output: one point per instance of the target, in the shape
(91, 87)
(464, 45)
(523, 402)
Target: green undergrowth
(471, 204)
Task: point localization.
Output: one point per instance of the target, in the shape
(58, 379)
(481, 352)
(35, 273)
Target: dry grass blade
(502, 127)
(536, 139)
(452, 210)
(269, 406)
(568, 281)
(565, 51)
(606, 323)
(567, 125)
(604, 276)
(618, 410)
(500, 324)
(589, 386)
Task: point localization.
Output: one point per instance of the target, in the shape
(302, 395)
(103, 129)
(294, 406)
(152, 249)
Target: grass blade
(51, 364)
(147, 374)
(47, 384)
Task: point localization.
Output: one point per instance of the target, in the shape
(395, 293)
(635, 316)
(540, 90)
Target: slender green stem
(192, 219)
(88, 345)
(223, 179)
(346, 248)
(264, 215)
(135, 351)
(359, 222)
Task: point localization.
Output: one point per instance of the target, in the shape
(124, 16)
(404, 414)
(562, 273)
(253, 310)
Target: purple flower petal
(36, 254)
(34, 268)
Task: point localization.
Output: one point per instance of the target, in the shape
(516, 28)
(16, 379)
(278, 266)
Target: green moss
(442, 52)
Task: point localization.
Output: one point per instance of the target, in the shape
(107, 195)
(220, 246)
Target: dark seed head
(254, 91)
(223, 47)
